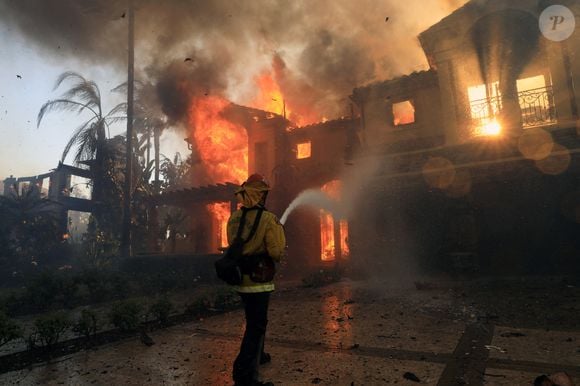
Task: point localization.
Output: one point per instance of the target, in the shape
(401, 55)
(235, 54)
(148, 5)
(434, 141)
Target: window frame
(394, 116)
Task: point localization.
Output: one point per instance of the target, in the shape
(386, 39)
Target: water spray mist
(314, 198)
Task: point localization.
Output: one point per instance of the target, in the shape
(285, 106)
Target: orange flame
(327, 223)
(222, 145)
(220, 212)
(271, 98)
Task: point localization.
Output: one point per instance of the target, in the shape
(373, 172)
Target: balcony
(537, 108)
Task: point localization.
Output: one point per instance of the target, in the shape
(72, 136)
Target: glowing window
(485, 105)
(329, 236)
(403, 113)
(304, 150)
(532, 83)
(220, 213)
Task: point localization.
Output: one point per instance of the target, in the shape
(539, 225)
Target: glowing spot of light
(492, 128)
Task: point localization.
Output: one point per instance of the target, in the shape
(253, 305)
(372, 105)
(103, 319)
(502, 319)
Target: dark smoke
(179, 81)
(321, 50)
(67, 27)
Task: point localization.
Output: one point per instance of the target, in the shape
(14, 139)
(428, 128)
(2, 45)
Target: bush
(10, 303)
(42, 290)
(104, 285)
(126, 315)
(87, 324)
(161, 310)
(225, 298)
(9, 330)
(48, 329)
(52, 289)
(199, 306)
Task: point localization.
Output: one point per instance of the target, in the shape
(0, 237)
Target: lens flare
(490, 129)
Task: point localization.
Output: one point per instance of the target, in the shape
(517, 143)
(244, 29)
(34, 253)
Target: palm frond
(122, 88)
(86, 92)
(120, 108)
(74, 138)
(112, 120)
(87, 143)
(61, 105)
(142, 142)
(68, 75)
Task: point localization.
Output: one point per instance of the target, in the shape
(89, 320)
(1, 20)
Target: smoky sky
(318, 51)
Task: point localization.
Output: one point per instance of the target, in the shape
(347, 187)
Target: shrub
(225, 298)
(161, 310)
(9, 330)
(49, 289)
(42, 291)
(104, 285)
(67, 291)
(48, 329)
(11, 302)
(199, 306)
(87, 324)
(126, 315)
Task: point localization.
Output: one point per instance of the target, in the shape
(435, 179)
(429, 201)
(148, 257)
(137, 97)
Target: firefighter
(268, 240)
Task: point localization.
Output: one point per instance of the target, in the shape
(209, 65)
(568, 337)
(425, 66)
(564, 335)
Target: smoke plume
(317, 51)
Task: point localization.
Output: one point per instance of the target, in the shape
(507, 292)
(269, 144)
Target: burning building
(469, 165)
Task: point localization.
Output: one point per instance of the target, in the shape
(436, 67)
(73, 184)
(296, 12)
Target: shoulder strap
(242, 223)
(255, 226)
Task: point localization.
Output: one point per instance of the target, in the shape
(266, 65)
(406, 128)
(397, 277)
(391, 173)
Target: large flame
(271, 97)
(222, 145)
(327, 224)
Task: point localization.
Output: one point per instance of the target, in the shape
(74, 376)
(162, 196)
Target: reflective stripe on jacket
(269, 238)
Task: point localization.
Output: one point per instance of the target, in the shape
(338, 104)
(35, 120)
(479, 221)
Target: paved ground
(356, 333)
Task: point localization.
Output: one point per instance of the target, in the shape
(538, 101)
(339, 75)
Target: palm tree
(148, 123)
(175, 172)
(90, 137)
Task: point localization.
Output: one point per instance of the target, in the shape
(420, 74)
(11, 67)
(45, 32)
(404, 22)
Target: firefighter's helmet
(257, 181)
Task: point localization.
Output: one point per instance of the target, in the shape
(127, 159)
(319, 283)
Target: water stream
(314, 198)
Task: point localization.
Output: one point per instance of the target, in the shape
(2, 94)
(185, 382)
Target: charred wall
(513, 219)
(376, 102)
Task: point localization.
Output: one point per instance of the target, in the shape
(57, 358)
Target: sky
(27, 79)
(317, 51)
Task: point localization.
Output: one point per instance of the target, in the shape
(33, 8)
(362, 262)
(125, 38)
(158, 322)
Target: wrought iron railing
(536, 105)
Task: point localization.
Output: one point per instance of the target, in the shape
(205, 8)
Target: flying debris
(18, 76)
(188, 60)
(386, 19)
(123, 15)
